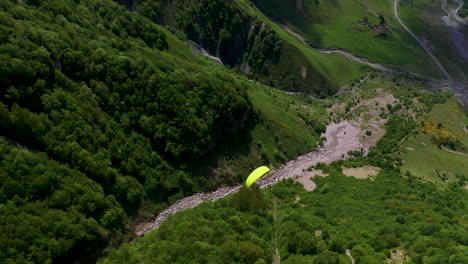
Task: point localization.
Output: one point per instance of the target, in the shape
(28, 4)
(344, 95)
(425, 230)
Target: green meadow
(336, 68)
(326, 24)
(423, 159)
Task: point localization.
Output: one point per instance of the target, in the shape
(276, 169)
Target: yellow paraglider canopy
(255, 175)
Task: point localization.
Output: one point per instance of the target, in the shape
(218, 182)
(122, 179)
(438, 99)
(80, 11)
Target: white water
(205, 53)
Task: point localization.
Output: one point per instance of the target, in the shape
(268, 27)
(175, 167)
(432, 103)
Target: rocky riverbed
(340, 139)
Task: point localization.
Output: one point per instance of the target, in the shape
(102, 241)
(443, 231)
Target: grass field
(281, 120)
(335, 24)
(424, 159)
(335, 68)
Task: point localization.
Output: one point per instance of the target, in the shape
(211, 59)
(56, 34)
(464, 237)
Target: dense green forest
(78, 83)
(374, 219)
(392, 217)
(106, 117)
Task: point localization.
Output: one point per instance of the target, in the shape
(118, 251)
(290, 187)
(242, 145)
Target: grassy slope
(278, 114)
(335, 68)
(424, 18)
(331, 24)
(324, 73)
(427, 157)
(293, 133)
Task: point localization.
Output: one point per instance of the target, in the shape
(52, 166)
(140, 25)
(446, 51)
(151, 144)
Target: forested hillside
(249, 44)
(113, 110)
(369, 208)
(106, 116)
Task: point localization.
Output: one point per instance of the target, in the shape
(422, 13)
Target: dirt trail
(454, 152)
(454, 13)
(425, 48)
(340, 138)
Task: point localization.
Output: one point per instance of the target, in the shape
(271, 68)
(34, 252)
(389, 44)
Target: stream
(200, 50)
(343, 52)
(458, 37)
(454, 13)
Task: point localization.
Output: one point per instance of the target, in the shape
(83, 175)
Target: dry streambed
(340, 139)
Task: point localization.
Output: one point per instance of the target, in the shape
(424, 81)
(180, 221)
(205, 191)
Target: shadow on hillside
(287, 13)
(214, 168)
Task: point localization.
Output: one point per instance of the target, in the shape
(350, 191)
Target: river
(340, 139)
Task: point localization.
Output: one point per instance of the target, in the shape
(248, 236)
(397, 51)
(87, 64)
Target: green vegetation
(263, 45)
(463, 12)
(110, 117)
(217, 25)
(285, 127)
(367, 28)
(106, 118)
(293, 120)
(376, 97)
(424, 159)
(372, 218)
(249, 42)
(376, 219)
(434, 147)
(49, 211)
(336, 68)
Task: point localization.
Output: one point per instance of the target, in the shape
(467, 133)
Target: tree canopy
(106, 104)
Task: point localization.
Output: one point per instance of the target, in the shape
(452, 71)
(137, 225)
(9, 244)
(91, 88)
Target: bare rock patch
(363, 172)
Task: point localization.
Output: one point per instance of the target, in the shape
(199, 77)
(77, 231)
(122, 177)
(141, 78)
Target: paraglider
(255, 175)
